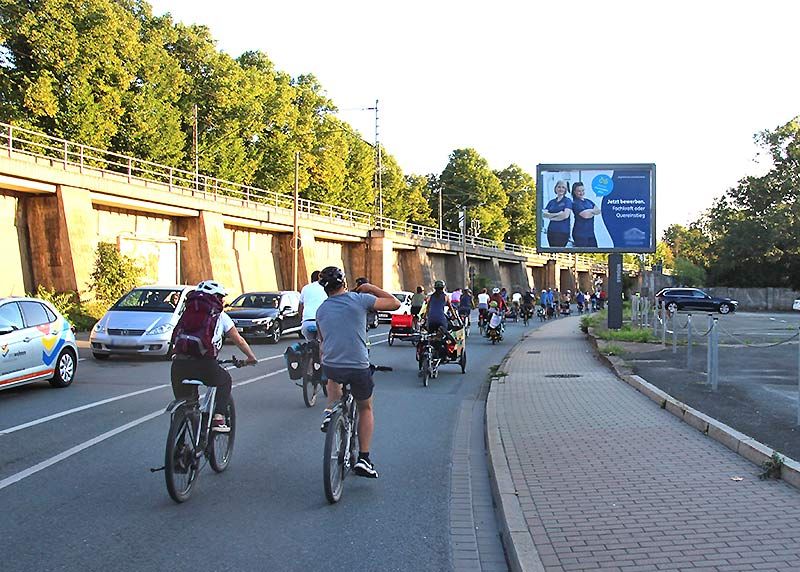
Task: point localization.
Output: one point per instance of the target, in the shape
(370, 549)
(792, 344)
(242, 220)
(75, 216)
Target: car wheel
(101, 357)
(672, 307)
(375, 323)
(274, 333)
(724, 308)
(65, 369)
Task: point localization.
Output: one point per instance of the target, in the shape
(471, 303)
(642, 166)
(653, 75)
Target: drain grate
(563, 375)
(534, 352)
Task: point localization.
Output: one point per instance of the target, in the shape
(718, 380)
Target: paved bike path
(593, 475)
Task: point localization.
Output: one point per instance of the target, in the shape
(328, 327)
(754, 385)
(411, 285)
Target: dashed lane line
(17, 477)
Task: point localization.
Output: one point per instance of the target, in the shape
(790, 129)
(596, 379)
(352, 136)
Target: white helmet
(212, 287)
(495, 290)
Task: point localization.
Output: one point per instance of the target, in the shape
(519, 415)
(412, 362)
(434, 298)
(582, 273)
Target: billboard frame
(540, 202)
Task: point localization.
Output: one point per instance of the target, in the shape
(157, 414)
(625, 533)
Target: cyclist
(311, 296)
(345, 359)
(497, 296)
(417, 302)
(437, 306)
(516, 299)
(495, 319)
(465, 306)
(455, 297)
(205, 367)
(528, 301)
(483, 306)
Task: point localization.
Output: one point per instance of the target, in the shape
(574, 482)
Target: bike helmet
(212, 287)
(331, 277)
(438, 285)
(495, 290)
(493, 304)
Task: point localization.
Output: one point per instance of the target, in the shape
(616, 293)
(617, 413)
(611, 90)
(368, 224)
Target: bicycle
(482, 322)
(426, 359)
(341, 442)
(527, 312)
(312, 374)
(188, 439)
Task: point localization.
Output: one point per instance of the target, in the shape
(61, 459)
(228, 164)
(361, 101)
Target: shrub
(69, 304)
(114, 274)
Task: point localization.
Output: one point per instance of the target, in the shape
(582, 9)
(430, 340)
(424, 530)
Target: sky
(682, 84)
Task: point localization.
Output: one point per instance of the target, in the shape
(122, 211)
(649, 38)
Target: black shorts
(415, 310)
(360, 380)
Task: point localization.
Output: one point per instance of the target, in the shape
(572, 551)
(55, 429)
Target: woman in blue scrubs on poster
(585, 211)
(558, 211)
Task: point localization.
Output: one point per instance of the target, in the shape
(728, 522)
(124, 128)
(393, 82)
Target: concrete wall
(755, 299)
(17, 274)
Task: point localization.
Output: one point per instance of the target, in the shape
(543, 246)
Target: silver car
(140, 323)
(36, 343)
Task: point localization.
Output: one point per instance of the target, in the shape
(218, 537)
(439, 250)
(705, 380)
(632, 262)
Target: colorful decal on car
(53, 339)
(4, 350)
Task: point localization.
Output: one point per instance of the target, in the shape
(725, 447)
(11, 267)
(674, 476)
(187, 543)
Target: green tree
(114, 273)
(417, 199)
(468, 181)
(689, 273)
(520, 212)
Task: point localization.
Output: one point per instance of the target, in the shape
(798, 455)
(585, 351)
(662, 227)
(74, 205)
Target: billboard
(596, 208)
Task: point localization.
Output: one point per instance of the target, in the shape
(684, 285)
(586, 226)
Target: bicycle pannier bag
(194, 332)
(294, 356)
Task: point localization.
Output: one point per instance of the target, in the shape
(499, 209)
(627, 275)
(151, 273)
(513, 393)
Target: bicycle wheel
(333, 466)
(220, 446)
(180, 466)
(426, 370)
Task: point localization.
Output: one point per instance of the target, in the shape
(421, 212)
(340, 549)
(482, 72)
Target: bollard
(708, 349)
(715, 357)
(798, 376)
(689, 341)
(634, 310)
(655, 320)
(674, 335)
(647, 313)
(663, 327)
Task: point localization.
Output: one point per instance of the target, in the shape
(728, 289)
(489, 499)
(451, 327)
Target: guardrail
(88, 159)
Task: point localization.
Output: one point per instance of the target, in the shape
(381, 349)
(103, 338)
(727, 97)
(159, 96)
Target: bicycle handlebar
(380, 368)
(234, 361)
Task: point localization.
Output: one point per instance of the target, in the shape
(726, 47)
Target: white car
(140, 323)
(36, 343)
(405, 306)
(796, 305)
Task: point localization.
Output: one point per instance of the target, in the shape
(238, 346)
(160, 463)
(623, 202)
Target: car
(140, 323)
(37, 343)
(405, 306)
(266, 315)
(677, 299)
(796, 305)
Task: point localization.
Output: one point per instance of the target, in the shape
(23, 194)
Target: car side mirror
(286, 309)
(6, 330)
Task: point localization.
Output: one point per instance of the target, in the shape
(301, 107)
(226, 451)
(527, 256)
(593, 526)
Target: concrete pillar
(205, 255)
(495, 278)
(415, 267)
(62, 239)
(551, 277)
(380, 259)
(520, 281)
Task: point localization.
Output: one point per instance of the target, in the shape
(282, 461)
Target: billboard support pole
(614, 291)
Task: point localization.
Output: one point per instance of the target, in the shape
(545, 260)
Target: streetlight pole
(440, 212)
(295, 234)
(378, 159)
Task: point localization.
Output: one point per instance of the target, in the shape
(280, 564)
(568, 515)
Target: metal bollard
(689, 341)
(708, 349)
(798, 376)
(663, 327)
(655, 320)
(635, 310)
(674, 335)
(715, 357)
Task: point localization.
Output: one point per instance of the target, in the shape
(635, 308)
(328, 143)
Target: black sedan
(266, 315)
(676, 299)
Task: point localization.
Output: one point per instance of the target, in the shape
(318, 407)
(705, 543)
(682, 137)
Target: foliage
(114, 274)
(520, 211)
(611, 350)
(772, 467)
(589, 321)
(627, 334)
(687, 273)
(68, 304)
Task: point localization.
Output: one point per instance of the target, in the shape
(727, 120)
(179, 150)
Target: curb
(741, 444)
(517, 540)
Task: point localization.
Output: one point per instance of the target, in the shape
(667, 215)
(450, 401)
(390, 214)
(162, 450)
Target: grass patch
(627, 334)
(611, 350)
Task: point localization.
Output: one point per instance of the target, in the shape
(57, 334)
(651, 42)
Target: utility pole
(194, 137)
(464, 245)
(378, 161)
(440, 211)
(295, 234)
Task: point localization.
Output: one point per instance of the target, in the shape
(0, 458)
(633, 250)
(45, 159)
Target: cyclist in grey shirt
(345, 359)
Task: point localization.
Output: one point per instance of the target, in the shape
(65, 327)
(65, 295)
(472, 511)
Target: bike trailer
(294, 356)
(402, 323)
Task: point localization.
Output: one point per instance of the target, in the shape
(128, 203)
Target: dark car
(266, 315)
(675, 299)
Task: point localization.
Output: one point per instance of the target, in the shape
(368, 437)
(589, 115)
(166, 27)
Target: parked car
(266, 315)
(36, 343)
(140, 323)
(405, 306)
(676, 299)
(796, 305)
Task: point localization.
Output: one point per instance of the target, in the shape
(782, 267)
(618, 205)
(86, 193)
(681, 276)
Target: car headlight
(262, 321)
(162, 329)
(99, 327)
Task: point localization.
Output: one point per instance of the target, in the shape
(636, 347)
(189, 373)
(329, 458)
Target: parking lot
(758, 373)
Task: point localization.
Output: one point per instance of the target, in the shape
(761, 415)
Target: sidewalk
(591, 474)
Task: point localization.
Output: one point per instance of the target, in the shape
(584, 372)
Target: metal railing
(91, 160)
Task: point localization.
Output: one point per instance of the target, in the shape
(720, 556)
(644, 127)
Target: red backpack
(194, 332)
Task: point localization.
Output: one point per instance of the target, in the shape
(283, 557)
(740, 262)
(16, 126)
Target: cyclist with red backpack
(197, 340)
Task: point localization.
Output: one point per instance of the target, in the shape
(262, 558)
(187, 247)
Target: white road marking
(98, 403)
(17, 477)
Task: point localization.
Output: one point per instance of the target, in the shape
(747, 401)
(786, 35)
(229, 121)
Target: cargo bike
(441, 347)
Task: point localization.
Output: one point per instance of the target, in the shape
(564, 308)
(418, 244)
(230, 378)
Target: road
(77, 494)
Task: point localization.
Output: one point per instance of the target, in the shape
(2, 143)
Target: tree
(468, 181)
(688, 273)
(520, 212)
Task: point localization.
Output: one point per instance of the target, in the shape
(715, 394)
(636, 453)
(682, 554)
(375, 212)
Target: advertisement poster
(596, 208)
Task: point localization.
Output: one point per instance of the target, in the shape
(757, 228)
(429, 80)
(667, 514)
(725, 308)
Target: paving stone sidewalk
(593, 475)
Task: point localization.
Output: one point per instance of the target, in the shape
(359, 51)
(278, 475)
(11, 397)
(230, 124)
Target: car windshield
(400, 296)
(256, 301)
(149, 300)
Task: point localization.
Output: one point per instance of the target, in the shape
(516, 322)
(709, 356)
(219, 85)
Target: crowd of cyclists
(336, 316)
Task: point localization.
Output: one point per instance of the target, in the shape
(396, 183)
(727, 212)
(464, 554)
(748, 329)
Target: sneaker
(326, 420)
(365, 468)
(218, 424)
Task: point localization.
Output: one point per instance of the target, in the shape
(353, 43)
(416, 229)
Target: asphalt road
(76, 492)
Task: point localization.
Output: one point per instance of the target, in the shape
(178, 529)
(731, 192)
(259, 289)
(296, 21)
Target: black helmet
(438, 285)
(331, 278)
